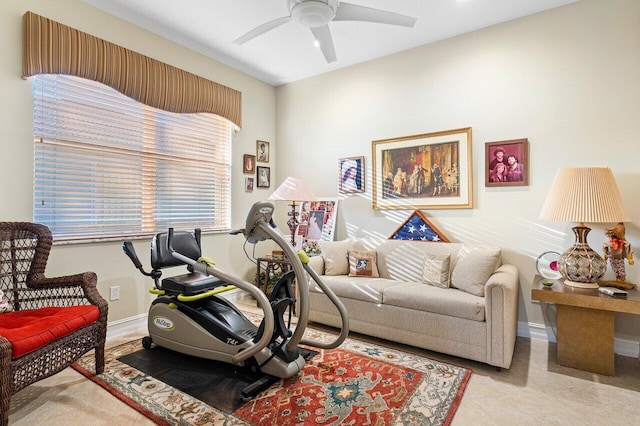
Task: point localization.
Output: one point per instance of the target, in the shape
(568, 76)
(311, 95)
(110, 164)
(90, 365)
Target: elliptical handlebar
(207, 269)
(260, 226)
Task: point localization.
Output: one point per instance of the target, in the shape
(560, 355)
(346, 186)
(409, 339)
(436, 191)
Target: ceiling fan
(316, 15)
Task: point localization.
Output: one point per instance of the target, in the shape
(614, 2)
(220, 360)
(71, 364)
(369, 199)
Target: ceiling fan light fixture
(313, 13)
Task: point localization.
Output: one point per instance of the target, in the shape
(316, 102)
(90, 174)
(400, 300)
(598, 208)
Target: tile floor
(534, 391)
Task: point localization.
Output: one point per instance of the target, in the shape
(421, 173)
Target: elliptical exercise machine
(188, 316)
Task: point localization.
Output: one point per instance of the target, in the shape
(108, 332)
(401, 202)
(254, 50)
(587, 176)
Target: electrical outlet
(115, 293)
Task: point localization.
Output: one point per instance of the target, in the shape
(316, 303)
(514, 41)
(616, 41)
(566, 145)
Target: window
(107, 166)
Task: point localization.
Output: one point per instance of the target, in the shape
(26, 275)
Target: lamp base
(581, 266)
(580, 285)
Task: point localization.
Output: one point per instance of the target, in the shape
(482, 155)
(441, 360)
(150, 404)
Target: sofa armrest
(501, 304)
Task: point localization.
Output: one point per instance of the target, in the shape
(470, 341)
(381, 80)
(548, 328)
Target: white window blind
(107, 166)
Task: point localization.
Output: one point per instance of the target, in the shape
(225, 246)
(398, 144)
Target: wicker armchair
(54, 320)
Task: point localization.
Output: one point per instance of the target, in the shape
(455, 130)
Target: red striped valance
(53, 48)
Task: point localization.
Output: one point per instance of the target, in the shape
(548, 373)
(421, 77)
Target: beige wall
(566, 79)
(16, 146)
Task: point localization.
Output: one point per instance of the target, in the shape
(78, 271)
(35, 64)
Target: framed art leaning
(426, 171)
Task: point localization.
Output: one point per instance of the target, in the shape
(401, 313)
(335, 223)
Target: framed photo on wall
(248, 164)
(248, 184)
(264, 177)
(351, 175)
(427, 171)
(507, 163)
(262, 151)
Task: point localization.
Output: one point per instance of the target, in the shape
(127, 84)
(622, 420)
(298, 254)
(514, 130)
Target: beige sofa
(452, 298)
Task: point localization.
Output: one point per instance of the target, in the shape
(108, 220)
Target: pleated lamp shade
(584, 194)
(293, 189)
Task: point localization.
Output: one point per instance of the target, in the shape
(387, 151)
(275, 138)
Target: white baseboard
(126, 325)
(622, 347)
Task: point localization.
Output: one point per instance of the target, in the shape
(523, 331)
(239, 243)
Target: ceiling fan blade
(323, 36)
(262, 29)
(354, 12)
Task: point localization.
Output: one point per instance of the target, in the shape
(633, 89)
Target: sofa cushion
(404, 260)
(436, 270)
(362, 263)
(335, 255)
(473, 268)
(442, 301)
(359, 288)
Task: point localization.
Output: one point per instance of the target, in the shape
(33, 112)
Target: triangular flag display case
(417, 227)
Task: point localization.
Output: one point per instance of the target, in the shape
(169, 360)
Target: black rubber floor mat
(213, 382)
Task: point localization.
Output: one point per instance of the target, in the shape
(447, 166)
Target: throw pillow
(473, 268)
(435, 271)
(362, 263)
(335, 255)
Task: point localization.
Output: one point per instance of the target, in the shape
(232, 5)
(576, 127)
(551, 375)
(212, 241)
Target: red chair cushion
(32, 329)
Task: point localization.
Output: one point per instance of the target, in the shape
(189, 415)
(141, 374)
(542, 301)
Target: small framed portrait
(248, 164)
(351, 175)
(507, 163)
(264, 177)
(248, 184)
(262, 151)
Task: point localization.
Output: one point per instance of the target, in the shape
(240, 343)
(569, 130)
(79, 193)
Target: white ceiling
(287, 53)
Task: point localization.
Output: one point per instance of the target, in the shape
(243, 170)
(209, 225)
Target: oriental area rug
(358, 383)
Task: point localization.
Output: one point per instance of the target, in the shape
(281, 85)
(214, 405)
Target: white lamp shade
(293, 189)
(584, 194)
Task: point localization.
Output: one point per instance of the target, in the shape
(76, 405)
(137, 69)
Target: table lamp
(293, 189)
(583, 194)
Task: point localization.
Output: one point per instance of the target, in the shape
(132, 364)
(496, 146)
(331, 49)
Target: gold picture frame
(426, 171)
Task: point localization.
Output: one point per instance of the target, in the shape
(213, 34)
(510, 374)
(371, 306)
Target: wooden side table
(585, 323)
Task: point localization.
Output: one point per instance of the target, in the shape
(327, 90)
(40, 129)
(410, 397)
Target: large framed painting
(507, 163)
(427, 171)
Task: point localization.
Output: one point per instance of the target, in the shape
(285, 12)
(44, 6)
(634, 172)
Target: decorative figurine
(616, 250)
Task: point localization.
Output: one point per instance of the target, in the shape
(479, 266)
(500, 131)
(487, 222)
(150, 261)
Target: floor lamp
(583, 194)
(293, 189)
